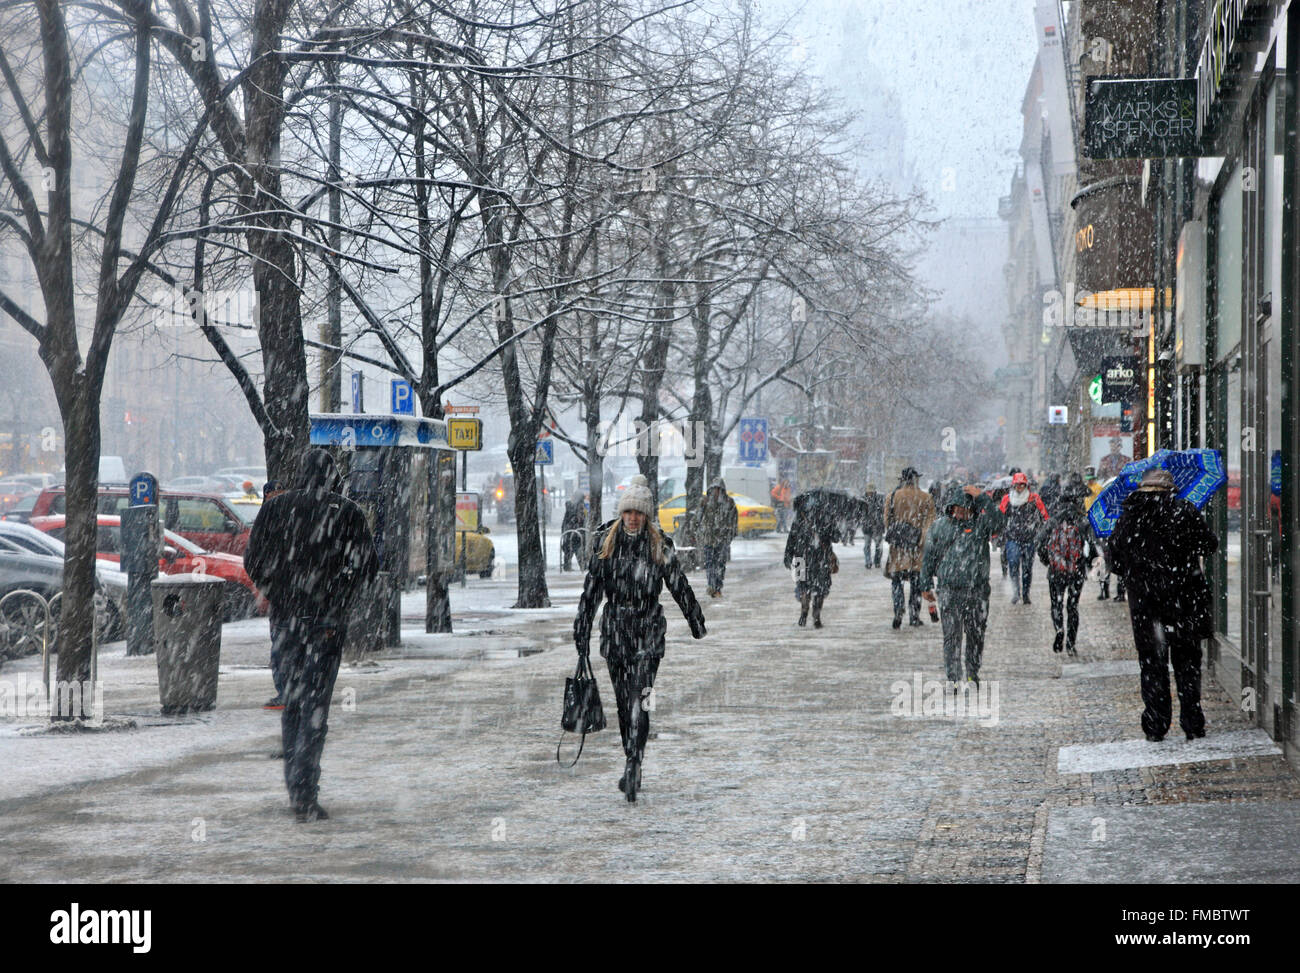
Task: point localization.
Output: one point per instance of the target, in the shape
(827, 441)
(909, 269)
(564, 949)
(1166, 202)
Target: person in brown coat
(909, 512)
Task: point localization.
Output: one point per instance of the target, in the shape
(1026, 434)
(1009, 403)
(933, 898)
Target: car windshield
(247, 511)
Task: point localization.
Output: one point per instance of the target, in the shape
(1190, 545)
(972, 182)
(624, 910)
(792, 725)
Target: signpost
(753, 441)
(141, 543)
(1058, 415)
(358, 400)
(466, 434)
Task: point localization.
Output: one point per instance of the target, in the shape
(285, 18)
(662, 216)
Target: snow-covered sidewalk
(777, 753)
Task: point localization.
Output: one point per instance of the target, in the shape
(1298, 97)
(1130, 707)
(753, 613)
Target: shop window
(1232, 542)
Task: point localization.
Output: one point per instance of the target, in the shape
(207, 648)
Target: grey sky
(958, 69)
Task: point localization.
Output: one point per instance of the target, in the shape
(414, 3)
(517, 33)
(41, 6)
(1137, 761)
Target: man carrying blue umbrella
(1157, 548)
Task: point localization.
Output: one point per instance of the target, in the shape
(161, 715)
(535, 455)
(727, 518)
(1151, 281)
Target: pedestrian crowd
(311, 553)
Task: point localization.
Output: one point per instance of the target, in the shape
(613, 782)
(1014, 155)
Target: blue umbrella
(1197, 474)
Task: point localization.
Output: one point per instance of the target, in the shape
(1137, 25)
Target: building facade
(1177, 269)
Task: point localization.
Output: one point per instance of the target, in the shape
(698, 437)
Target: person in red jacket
(1025, 517)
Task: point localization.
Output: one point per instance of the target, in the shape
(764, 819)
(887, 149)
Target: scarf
(1018, 500)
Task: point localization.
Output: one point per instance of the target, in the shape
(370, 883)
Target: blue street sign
(403, 398)
(753, 441)
(545, 452)
(358, 403)
(143, 490)
(378, 430)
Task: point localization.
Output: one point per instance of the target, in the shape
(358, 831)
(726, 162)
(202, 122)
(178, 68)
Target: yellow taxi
(479, 552)
(755, 518)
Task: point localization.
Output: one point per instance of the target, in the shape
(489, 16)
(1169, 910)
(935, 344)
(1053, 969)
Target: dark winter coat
(1025, 521)
(1068, 511)
(310, 550)
(719, 519)
(811, 540)
(630, 583)
(957, 551)
(1156, 548)
(873, 518)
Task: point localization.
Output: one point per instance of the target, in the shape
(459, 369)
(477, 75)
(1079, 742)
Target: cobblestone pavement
(777, 754)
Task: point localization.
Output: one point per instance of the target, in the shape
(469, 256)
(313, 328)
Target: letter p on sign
(403, 398)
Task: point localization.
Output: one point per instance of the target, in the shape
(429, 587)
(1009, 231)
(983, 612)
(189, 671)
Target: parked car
(180, 556)
(241, 473)
(33, 561)
(479, 552)
(204, 519)
(12, 491)
(21, 511)
(38, 480)
(193, 484)
(755, 518)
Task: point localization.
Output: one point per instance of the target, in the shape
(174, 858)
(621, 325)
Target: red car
(179, 557)
(204, 519)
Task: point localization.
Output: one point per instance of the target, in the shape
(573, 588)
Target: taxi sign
(465, 433)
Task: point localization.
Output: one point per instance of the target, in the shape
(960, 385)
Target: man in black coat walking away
(873, 525)
(808, 553)
(1157, 548)
(309, 552)
(1065, 546)
(719, 523)
(629, 570)
(571, 528)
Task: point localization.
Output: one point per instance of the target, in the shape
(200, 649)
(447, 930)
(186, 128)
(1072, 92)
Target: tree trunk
(77, 617)
(279, 325)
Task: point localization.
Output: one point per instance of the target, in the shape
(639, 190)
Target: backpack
(1065, 548)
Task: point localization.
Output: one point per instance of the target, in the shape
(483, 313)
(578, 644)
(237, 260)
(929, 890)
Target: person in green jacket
(957, 552)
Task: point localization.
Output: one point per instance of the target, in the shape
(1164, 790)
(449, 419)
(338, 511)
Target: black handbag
(582, 710)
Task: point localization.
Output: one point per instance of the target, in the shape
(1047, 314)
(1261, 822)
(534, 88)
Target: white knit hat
(637, 497)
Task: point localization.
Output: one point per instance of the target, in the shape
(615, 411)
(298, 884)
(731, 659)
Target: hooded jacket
(310, 549)
(957, 551)
(630, 583)
(1023, 520)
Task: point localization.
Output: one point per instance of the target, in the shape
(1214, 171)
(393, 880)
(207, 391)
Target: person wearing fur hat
(632, 564)
(719, 523)
(1157, 547)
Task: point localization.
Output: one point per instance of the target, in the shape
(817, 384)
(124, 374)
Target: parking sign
(753, 441)
(143, 490)
(403, 398)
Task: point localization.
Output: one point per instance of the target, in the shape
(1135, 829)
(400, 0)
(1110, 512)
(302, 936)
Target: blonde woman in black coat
(629, 570)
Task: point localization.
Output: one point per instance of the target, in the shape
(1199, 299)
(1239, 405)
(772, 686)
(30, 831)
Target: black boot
(631, 779)
(1059, 643)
